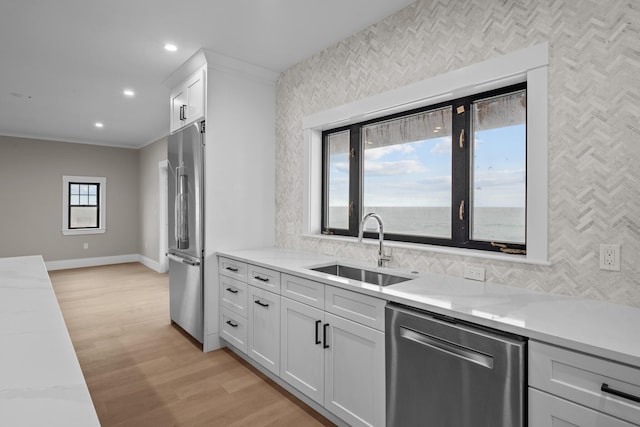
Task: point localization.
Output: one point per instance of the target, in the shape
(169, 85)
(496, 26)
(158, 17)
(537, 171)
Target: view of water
(490, 224)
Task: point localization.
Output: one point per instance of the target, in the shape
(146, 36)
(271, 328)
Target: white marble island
(41, 383)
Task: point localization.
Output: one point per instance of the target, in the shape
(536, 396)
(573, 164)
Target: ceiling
(64, 64)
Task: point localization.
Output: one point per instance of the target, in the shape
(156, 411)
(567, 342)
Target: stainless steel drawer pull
(233, 291)
(261, 304)
(605, 387)
(262, 279)
(232, 269)
(447, 347)
(233, 325)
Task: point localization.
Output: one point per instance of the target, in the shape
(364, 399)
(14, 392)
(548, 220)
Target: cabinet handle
(605, 387)
(232, 269)
(317, 334)
(233, 291)
(261, 304)
(233, 325)
(262, 279)
(184, 112)
(324, 335)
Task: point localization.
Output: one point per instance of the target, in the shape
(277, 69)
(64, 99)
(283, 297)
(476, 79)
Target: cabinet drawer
(546, 410)
(579, 378)
(234, 329)
(232, 268)
(264, 278)
(354, 306)
(233, 294)
(303, 290)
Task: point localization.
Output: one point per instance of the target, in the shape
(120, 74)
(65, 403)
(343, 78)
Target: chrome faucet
(382, 258)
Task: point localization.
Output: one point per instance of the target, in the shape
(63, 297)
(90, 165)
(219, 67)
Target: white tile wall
(594, 135)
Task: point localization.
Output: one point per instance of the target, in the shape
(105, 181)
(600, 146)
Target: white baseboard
(152, 264)
(92, 262)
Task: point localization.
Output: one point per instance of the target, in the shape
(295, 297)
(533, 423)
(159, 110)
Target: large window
(83, 205)
(450, 174)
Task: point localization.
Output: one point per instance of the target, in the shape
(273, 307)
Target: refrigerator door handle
(181, 207)
(176, 258)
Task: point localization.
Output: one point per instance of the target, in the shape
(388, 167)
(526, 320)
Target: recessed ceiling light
(129, 93)
(170, 47)
(99, 125)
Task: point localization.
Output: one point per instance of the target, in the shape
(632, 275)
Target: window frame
(460, 176)
(530, 64)
(97, 205)
(67, 180)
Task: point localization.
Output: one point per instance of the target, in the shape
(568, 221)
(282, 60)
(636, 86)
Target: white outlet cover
(610, 257)
(474, 273)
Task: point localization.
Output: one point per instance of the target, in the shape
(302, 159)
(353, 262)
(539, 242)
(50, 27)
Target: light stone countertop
(41, 383)
(599, 328)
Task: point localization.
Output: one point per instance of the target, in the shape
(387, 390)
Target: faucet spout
(382, 258)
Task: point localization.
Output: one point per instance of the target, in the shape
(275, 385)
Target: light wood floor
(143, 371)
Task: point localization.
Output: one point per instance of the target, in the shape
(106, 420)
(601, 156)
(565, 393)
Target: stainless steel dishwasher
(442, 372)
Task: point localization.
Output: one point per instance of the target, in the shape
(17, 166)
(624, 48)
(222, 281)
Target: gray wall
(594, 149)
(31, 207)
(149, 190)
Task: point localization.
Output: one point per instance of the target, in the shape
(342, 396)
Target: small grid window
(84, 205)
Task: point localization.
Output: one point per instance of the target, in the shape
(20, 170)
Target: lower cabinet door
(264, 328)
(234, 329)
(355, 372)
(546, 410)
(301, 348)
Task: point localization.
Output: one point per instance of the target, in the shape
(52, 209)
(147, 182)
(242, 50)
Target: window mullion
(460, 172)
(355, 179)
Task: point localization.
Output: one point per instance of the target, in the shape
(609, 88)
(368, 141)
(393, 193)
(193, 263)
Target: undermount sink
(361, 274)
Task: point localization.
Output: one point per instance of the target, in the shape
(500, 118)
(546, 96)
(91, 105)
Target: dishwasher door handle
(447, 347)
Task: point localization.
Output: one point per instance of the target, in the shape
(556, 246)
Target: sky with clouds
(419, 173)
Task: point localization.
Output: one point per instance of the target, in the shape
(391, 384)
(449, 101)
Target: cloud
(400, 167)
(443, 146)
(380, 152)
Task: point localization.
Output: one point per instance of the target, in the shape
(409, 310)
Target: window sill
(85, 231)
(493, 256)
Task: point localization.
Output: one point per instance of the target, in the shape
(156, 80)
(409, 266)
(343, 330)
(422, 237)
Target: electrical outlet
(474, 273)
(610, 257)
(86, 245)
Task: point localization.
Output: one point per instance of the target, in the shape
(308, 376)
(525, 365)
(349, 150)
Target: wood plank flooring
(143, 371)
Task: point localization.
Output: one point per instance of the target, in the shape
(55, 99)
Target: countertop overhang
(594, 327)
(41, 383)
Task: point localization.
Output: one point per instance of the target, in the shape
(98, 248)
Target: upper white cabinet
(187, 101)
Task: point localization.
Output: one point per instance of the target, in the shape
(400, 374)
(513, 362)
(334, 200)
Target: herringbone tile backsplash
(594, 133)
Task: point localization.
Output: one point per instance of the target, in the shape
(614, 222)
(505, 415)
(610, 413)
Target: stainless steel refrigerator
(186, 230)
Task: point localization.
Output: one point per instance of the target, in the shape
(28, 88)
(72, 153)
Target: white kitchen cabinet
(264, 328)
(568, 388)
(187, 101)
(234, 329)
(354, 372)
(337, 362)
(546, 410)
(233, 295)
(301, 352)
